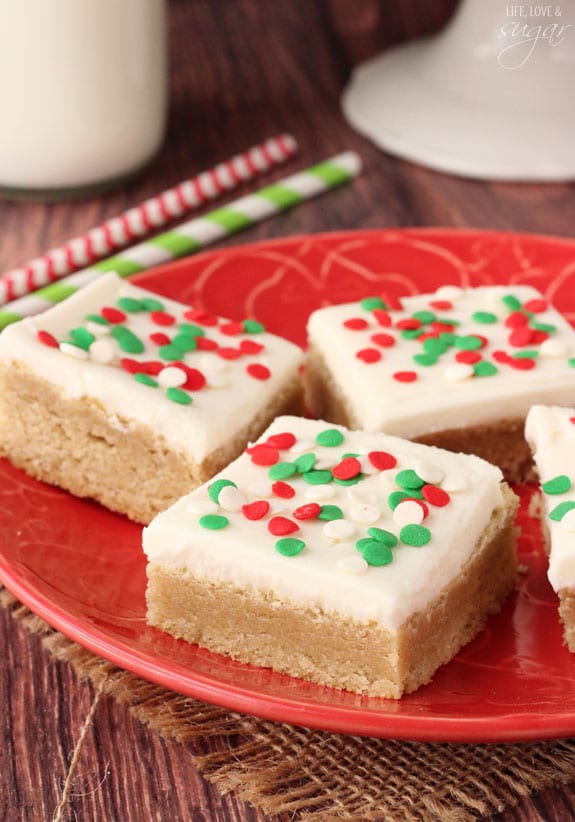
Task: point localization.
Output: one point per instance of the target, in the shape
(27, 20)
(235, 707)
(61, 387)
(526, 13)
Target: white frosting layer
(224, 405)
(330, 574)
(550, 432)
(446, 394)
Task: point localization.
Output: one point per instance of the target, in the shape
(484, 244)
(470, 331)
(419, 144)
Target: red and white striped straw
(144, 219)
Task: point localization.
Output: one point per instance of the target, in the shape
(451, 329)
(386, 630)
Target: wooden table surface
(241, 70)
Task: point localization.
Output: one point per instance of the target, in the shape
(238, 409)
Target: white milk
(82, 90)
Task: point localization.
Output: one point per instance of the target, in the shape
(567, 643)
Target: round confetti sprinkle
(215, 488)
(179, 396)
(385, 537)
(338, 529)
(73, 351)
(145, 379)
(435, 346)
(282, 441)
(253, 327)
(536, 305)
(347, 469)
(320, 492)
(384, 340)
(395, 498)
(382, 317)
(484, 317)
(382, 460)
(256, 510)
(371, 303)
(283, 490)
(159, 338)
(251, 347)
(317, 477)
(82, 337)
(289, 547)
(305, 462)
(458, 372)
(162, 318)
(310, 510)
(416, 535)
(521, 336)
(352, 565)
(231, 329)
(112, 315)
(553, 348)
(127, 340)
(129, 304)
(282, 470)
(97, 320)
(258, 371)
(377, 554)
(485, 369)
(560, 510)
(405, 376)
(408, 479)
(522, 363)
(214, 522)
(263, 454)
(469, 357)
(330, 512)
(47, 339)
(428, 471)
(435, 496)
(368, 355)
(151, 304)
(195, 380)
(330, 438)
(231, 499)
(172, 377)
(408, 511)
(282, 526)
(356, 324)
(102, 351)
(471, 342)
(511, 301)
(557, 485)
(184, 343)
(364, 513)
(425, 359)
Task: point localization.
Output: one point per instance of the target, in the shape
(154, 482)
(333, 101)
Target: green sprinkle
(409, 479)
(571, 362)
(560, 510)
(547, 327)
(82, 337)
(179, 396)
(151, 304)
(425, 359)
(329, 512)
(424, 317)
(484, 317)
(350, 481)
(305, 462)
(468, 343)
(415, 535)
(376, 553)
(363, 543)
(448, 337)
(330, 438)
(191, 330)
(215, 488)
(127, 340)
(96, 318)
(435, 346)
(395, 498)
(511, 302)
(282, 470)
(317, 477)
(145, 379)
(385, 537)
(170, 352)
(214, 522)
(289, 546)
(484, 369)
(412, 333)
(130, 304)
(557, 485)
(184, 342)
(371, 303)
(529, 355)
(253, 327)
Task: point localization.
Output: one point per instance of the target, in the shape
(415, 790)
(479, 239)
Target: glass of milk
(82, 93)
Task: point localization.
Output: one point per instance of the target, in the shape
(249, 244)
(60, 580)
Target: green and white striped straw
(192, 236)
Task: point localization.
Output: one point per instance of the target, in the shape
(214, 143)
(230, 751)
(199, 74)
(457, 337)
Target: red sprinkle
(539, 336)
(483, 339)
(113, 315)
(368, 355)
(231, 329)
(256, 509)
(382, 317)
(263, 454)
(47, 339)
(251, 347)
(159, 338)
(405, 376)
(469, 357)
(356, 324)
(229, 353)
(502, 357)
(440, 327)
(281, 526)
(516, 319)
(572, 420)
(283, 489)
(152, 367)
(258, 371)
(281, 441)
(347, 469)
(408, 324)
(131, 366)
(522, 363)
(309, 511)
(435, 496)
(162, 318)
(205, 344)
(195, 379)
(385, 340)
(382, 460)
(422, 505)
(441, 305)
(536, 306)
(520, 336)
(201, 316)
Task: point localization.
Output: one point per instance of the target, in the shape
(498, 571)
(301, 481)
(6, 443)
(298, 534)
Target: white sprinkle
(320, 492)
(429, 472)
(568, 520)
(553, 348)
(408, 512)
(302, 445)
(260, 488)
(201, 506)
(364, 513)
(366, 466)
(326, 461)
(338, 529)
(278, 506)
(458, 372)
(455, 481)
(102, 351)
(361, 494)
(216, 380)
(231, 499)
(210, 362)
(353, 564)
(73, 351)
(448, 292)
(172, 377)
(98, 329)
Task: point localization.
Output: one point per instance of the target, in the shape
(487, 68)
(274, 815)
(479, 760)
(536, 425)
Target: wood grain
(240, 71)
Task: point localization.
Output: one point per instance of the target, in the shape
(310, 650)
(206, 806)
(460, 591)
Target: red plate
(80, 567)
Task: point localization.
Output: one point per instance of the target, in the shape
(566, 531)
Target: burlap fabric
(313, 775)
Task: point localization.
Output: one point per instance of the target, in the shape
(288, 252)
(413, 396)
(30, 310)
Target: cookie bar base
(501, 443)
(567, 614)
(328, 648)
(76, 445)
